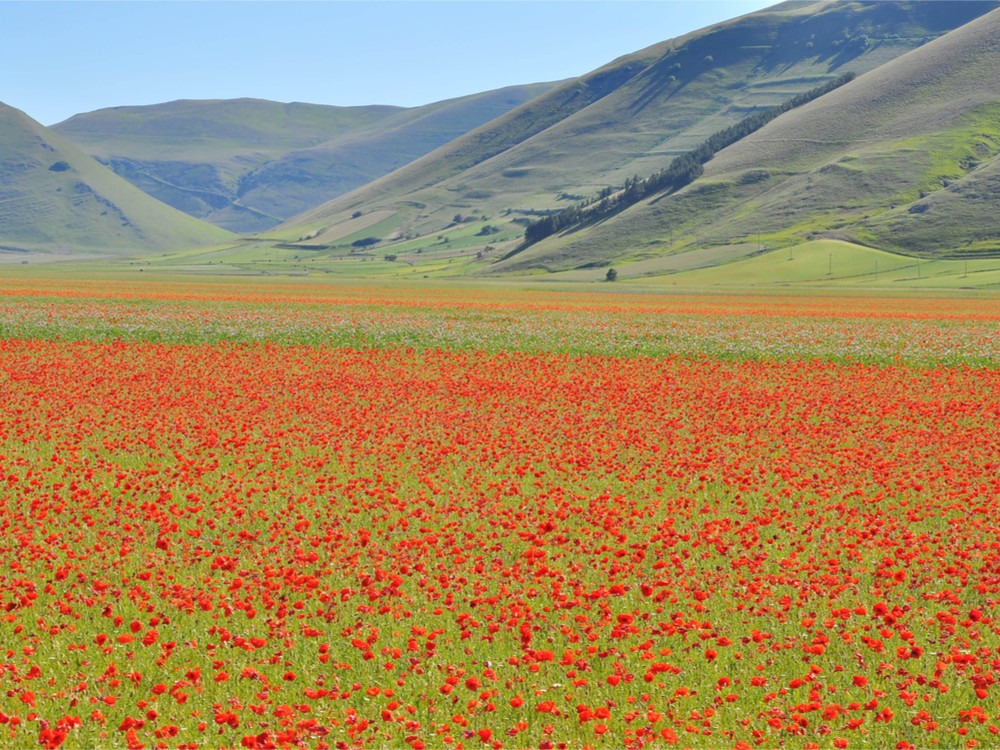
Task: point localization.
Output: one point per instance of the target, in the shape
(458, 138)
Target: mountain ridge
(53, 197)
(854, 153)
(905, 158)
(664, 100)
(248, 164)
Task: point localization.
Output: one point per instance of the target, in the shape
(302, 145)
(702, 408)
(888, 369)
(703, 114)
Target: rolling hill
(55, 198)
(904, 158)
(630, 117)
(249, 164)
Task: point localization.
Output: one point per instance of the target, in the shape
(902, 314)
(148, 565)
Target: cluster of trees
(683, 170)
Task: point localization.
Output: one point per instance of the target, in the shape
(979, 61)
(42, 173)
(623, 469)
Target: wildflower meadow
(289, 514)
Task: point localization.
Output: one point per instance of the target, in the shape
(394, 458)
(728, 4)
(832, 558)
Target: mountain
(904, 158)
(248, 164)
(633, 117)
(53, 197)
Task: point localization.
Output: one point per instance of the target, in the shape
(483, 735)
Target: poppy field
(269, 516)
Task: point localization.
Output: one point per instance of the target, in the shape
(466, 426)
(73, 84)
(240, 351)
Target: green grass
(83, 207)
(830, 264)
(835, 264)
(451, 253)
(862, 193)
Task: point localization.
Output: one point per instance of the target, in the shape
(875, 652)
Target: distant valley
(247, 165)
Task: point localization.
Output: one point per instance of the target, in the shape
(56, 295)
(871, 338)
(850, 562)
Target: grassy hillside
(193, 154)
(309, 177)
(903, 158)
(961, 216)
(248, 164)
(630, 117)
(56, 199)
(822, 264)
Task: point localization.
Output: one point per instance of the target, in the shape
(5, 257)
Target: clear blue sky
(61, 58)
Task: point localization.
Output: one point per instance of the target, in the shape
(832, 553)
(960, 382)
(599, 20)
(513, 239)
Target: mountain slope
(635, 114)
(55, 197)
(193, 154)
(309, 177)
(248, 164)
(903, 158)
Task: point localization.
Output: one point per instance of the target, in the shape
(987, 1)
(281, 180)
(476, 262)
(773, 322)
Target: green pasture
(842, 265)
(461, 254)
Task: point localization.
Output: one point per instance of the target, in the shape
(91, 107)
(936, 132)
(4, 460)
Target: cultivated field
(286, 514)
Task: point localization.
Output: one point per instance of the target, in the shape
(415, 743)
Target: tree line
(683, 170)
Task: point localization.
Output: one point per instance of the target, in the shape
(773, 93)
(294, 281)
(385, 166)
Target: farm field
(284, 513)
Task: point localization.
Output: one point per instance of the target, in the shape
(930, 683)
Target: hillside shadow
(661, 76)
